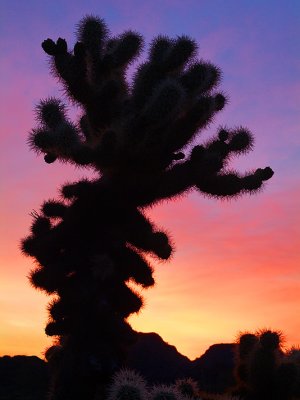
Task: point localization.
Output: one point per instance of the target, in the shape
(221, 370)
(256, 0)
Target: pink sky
(237, 263)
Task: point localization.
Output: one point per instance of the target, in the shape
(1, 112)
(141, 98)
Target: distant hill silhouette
(23, 378)
(156, 360)
(214, 369)
(26, 378)
(160, 362)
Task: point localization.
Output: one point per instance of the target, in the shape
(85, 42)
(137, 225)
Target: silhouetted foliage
(93, 241)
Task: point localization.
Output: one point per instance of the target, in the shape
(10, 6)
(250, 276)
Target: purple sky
(237, 264)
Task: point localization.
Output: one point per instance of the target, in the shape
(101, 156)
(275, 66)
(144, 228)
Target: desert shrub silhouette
(92, 241)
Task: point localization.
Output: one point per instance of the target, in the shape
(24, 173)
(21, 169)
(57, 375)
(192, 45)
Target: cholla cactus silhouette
(128, 385)
(89, 244)
(219, 397)
(263, 370)
(293, 356)
(165, 392)
(246, 344)
(187, 387)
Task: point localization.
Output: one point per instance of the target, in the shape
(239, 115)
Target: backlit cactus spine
(92, 242)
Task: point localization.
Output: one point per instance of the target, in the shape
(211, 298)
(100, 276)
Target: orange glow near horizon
(221, 280)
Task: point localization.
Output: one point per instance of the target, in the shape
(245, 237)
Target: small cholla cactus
(264, 362)
(187, 387)
(89, 244)
(293, 356)
(164, 392)
(246, 343)
(263, 370)
(127, 385)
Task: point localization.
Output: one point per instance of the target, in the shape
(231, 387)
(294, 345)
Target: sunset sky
(237, 263)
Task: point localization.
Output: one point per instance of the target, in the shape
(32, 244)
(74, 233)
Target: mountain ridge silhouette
(26, 377)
